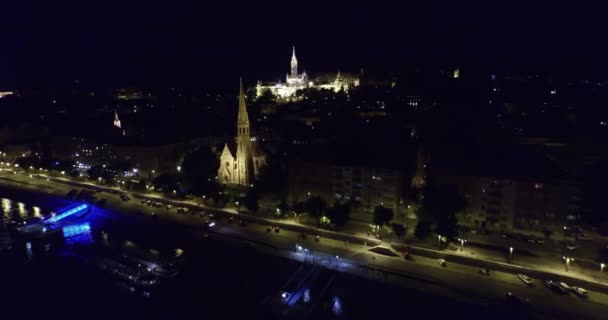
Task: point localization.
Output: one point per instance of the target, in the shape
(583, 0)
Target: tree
(448, 225)
(198, 171)
(251, 200)
(398, 229)
(266, 97)
(440, 206)
(72, 194)
(423, 229)
(166, 182)
(339, 213)
(315, 206)
(140, 186)
(272, 178)
(382, 215)
(602, 255)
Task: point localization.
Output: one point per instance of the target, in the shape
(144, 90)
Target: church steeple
(243, 117)
(294, 63)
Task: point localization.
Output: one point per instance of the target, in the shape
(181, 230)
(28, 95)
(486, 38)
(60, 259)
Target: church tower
(294, 64)
(244, 174)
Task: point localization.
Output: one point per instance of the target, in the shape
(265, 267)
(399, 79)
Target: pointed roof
(226, 151)
(243, 118)
(293, 54)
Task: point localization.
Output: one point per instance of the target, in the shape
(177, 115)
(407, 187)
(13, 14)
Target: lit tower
(294, 64)
(243, 144)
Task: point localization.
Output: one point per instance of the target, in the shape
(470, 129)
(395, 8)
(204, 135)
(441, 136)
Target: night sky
(191, 43)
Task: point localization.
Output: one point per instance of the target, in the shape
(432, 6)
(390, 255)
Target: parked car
(269, 229)
(276, 229)
(442, 262)
(564, 288)
(169, 206)
(231, 220)
(317, 239)
(540, 241)
(243, 223)
(580, 292)
(525, 279)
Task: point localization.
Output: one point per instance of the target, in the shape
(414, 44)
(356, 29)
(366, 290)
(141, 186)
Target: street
(423, 273)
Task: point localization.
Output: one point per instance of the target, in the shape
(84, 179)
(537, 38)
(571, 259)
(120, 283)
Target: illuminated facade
(243, 168)
(295, 81)
(5, 93)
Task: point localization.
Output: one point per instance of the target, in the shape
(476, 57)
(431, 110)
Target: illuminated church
(243, 166)
(295, 81)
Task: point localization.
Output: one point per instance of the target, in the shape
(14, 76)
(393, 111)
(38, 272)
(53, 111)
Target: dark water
(216, 281)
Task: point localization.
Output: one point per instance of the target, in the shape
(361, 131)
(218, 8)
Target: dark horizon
(193, 44)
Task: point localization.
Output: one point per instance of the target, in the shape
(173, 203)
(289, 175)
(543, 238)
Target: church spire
(294, 63)
(243, 118)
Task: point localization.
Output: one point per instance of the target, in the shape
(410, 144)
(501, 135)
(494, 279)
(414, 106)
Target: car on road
(157, 204)
(484, 271)
(555, 286)
(580, 292)
(525, 279)
(563, 287)
(442, 262)
(515, 300)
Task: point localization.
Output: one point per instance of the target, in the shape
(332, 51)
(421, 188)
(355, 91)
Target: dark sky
(191, 43)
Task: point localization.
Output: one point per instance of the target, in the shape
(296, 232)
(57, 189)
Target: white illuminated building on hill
(295, 81)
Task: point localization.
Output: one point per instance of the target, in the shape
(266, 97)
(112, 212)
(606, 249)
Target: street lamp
(236, 203)
(510, 253)
(567, 259)
(439, 241)
(602, 266)
(179, 169)
(461, 244)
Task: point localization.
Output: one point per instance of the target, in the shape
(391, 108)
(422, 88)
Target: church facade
(295, 81)
(243, 166)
